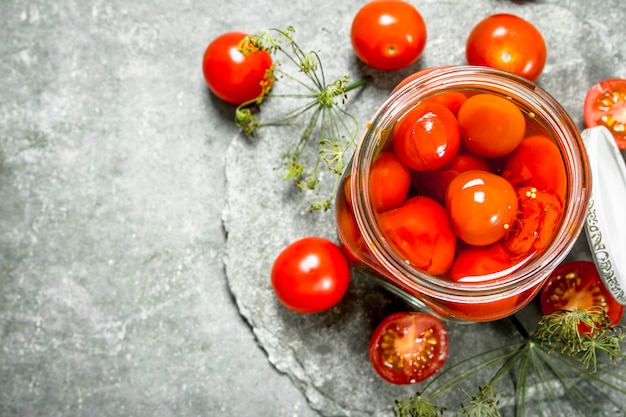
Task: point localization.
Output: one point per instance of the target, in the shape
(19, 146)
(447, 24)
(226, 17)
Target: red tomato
(537, 162)
(490, 125)
(435, 183)
(576, 286)
(310, 275)
(537, 222)
(232, 76)
(509, 43)
(482, 207)
(420, 231)
(481, 263)
(407, 348)
(390, 181)
(605, 104)
(388, 34)
(426, 137)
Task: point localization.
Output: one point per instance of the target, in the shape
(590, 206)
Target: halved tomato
(605, 104)
(408, 347)
(576, 286)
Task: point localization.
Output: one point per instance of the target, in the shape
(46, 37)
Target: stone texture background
(132, 209)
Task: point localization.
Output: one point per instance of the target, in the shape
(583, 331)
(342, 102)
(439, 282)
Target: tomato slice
(576, 286)
(408, 347)
(605, 105)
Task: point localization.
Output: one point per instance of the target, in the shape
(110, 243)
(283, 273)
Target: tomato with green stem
(408, 347)
(605, 105)
(482, 207)
(310, 275)
(490, 125)
(426, 137)
(577, 285)
(509, 43)
(420, 231)
(388, 34)
(232, 75)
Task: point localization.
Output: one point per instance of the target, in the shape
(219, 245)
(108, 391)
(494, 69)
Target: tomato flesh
(576, 286)
(408, 347)
(605, 105)
(538, 219)
(310, 275)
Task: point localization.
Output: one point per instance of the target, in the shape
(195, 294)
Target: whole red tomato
(232, 76)
(426, 137)
(389, 182)
(537, 162)
(509, 43)
(576, 286)
(490, 125)
(408, 347)
(388, 34)
(605, 105)
(482, 206)
(310, 275)
(420, 231)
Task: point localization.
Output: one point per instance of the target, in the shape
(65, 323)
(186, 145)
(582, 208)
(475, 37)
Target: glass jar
(482, 298)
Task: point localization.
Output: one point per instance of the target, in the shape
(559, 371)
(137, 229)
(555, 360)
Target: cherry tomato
(605, 104)
(426, 137)
(408, 347)
(420, 230)
(390, 181)
(310, 275)
(481, 263)
(232, 76)
(509, 43)
(388, 34)
(435, 183)
(482, 207)
(537, 222)
(490, 125)
(576, 286)
(537, 162)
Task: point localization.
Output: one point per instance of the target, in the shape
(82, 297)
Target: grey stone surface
(326, 354)
(114, 299)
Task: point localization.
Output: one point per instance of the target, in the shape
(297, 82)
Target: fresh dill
(570, 357)
(332, 127)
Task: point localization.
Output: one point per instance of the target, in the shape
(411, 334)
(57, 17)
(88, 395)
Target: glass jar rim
(524, 92)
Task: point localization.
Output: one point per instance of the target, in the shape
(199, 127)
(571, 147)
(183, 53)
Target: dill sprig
(570, 358)
(332, 127)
